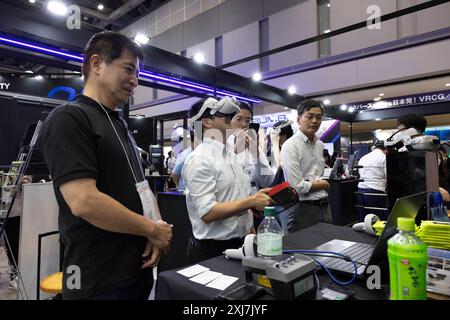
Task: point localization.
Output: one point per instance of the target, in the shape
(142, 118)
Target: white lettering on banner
(433, 97)
(268, 120)
(4, 85)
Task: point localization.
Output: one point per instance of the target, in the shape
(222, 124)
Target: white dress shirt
(303, 163)
(179, 166)
(373, 170)
(213, 173)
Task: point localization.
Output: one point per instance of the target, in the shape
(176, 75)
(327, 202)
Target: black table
(173, 286)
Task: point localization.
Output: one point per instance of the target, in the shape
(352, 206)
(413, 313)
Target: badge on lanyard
(149, 206)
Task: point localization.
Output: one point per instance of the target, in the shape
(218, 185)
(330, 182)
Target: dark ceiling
(116, 15)
(128, 11)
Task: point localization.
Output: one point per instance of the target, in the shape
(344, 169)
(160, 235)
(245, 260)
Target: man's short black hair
(308, 104)
(109, 45)
(245, 105)
(413, 120)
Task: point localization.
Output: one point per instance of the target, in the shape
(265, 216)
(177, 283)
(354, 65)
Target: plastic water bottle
(407, 263)
(269, 237)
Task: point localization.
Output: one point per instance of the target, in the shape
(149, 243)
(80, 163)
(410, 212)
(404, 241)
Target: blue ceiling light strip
(40, 49)
(143, 73)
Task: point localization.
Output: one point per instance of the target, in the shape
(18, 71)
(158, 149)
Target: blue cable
(312, 252)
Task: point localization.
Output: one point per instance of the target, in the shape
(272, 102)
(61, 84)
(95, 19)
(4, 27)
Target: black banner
(63, 89)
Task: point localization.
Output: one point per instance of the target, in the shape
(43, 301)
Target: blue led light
(143, 73)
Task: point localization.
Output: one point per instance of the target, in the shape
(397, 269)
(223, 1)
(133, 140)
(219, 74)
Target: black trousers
(139, 290)
(200, 250)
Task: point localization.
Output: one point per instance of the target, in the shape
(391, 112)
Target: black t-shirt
(78, 141)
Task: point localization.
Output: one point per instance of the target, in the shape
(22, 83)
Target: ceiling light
(39, 77)
(29, 71)
(326, 102)
(31, 1)
(377, 99)
(343, 107)
(328, 5)
(447, 84)
(327, 31)
(141, 38)
(381, 94)
(199, 57)
(256, 76)
(292, 90)
(286, 108)
(57, 7)
(100, 6)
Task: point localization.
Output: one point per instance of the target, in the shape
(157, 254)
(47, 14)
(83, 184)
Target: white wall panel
(291, 25)
(241, 43)
(433, 18)
(347, 12)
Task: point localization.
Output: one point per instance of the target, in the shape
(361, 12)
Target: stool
(52, 283)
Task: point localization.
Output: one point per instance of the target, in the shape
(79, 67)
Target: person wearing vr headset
(419, 122)
(373, 173)
(303, 166)
(279, 134)
(218, 191)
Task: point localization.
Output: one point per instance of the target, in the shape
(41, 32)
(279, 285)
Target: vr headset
(225, 107)
(278, 126)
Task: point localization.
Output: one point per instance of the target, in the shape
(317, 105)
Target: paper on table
(192, 270)
(222, 282)
(205, 277)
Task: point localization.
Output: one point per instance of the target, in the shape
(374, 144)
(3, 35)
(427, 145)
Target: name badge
(148, 202)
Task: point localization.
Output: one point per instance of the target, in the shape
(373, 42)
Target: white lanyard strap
(118, 137)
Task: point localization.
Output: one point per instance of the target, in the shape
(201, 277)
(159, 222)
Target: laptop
(371, 254)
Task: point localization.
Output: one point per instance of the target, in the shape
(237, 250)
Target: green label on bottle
(269, 244)
(408, 275)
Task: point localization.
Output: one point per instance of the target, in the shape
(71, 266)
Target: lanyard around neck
(120, 141)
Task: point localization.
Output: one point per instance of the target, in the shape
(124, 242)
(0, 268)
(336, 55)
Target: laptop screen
(406, 207)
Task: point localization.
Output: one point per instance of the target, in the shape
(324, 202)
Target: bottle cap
(269, 211)
(406, 224)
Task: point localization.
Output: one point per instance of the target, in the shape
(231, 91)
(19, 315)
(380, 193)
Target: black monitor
(156, 157)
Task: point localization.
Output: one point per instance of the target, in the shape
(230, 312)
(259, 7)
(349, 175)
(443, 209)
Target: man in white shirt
(176, 171)
(218, 191)
(372, 190)
(303, 166)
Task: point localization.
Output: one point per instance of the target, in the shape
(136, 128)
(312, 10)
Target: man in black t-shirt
(110, 242)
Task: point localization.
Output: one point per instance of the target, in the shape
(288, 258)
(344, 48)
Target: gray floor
(5, 292)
